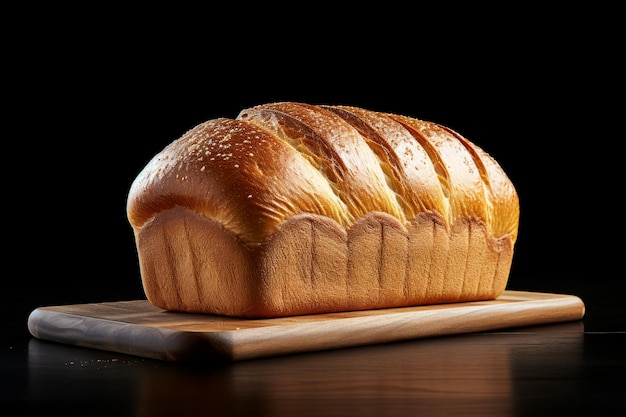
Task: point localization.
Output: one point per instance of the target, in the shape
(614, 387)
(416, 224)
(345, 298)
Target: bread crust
(294, 209)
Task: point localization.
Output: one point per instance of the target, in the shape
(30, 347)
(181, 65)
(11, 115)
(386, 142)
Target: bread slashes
(292, 209)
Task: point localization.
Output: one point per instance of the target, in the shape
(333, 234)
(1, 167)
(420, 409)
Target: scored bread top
(278, 160)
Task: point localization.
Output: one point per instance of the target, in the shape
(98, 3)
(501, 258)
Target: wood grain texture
(139, 328)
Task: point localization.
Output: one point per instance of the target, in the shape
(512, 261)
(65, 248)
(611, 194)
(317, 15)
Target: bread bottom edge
(312, 265)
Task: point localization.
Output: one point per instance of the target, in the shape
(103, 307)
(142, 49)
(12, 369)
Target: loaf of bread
(292, 209)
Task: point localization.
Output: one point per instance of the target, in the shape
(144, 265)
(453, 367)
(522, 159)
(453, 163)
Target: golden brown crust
(292, 208)
(337, 149)
(236, 173)
(404, 160)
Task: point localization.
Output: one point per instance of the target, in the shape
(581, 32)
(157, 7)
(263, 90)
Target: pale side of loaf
(292, 209)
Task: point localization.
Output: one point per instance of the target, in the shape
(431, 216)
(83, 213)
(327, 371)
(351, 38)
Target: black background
(90, 99)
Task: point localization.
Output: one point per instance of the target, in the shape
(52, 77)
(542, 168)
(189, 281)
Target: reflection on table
(478, 374)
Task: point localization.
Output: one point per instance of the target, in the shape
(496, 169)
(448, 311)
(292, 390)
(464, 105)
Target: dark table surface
(572, 368)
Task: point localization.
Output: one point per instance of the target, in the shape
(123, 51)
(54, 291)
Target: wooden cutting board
(138, 328)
